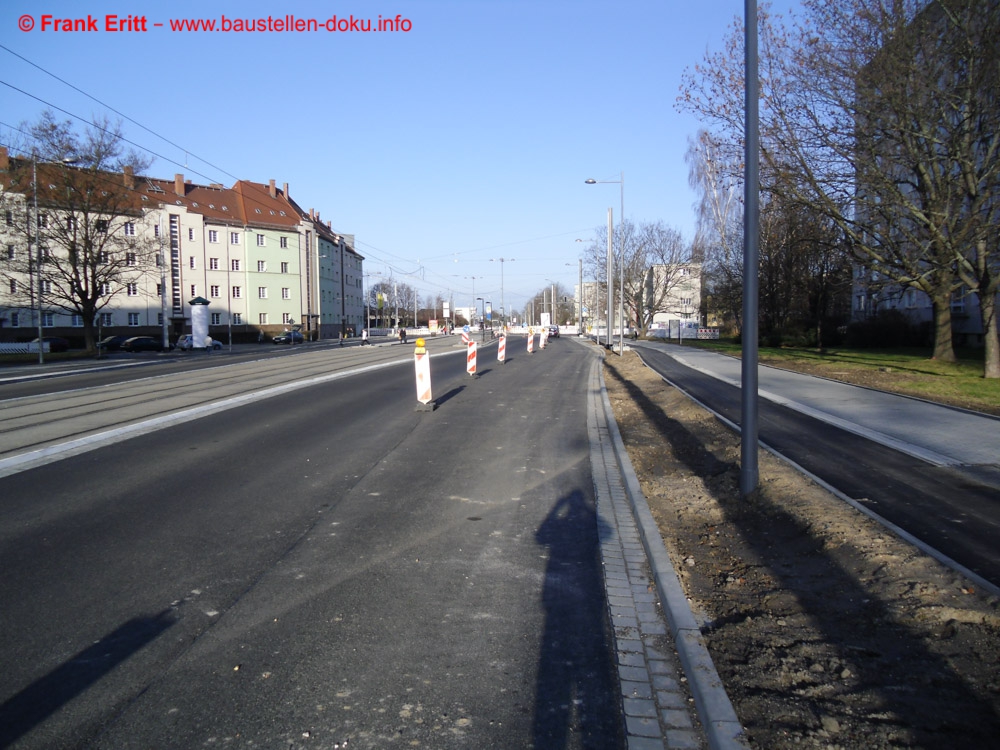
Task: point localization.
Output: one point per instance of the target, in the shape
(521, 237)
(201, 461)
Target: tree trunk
(944, 348)
(991, 337)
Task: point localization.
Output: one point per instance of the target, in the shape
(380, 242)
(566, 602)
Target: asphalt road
(326, 566)
(949, 508)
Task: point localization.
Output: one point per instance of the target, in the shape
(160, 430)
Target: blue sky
(467, 138)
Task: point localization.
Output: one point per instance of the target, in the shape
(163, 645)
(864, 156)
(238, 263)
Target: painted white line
(51, 453)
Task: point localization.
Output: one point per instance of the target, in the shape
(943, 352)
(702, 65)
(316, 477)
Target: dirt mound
(828, 630)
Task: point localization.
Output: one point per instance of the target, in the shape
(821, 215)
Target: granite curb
(722, 727)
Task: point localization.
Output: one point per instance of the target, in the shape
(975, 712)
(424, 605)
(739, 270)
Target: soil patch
(827, 630)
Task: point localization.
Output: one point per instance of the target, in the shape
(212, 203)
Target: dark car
(553, 332)
(112, 343)
(142, 344)
(55, 343)
(288, 337)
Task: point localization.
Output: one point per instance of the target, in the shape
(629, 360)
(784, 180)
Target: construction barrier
(543, 338)
(531, 340)
(502, 350)
(422, 366)
(470, 359)
(465, 338)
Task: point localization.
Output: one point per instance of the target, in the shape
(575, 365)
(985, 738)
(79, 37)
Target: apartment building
(147, 247)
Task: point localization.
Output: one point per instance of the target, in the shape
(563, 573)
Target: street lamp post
(503, 308)
(621, 240)
(483, 319)
(38, 256)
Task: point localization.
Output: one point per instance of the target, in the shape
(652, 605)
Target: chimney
(312, 215)
(4, 159)
(179, 185)
(129, 176)
(272, 190)
(285, 191)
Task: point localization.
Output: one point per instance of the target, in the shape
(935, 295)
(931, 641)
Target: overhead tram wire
(117, 112)
(210, 179)
(103, 130)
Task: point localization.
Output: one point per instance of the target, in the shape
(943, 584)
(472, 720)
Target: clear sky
(465, 139)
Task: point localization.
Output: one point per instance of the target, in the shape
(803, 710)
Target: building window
(159, 319)
(234, 238)
(213, 290)
(103, 256)
(130, 259)
(286, 318)
(48, 320)
(156, 230)
(235, 265)
(284, 267)
(129, 229)
(46, 287)
(261, 240)
(13, 286)
(262, 319)
(216, 319)
(191, 233)
(132, 289)
(237, 292)
(194, 290)
(192, 263)
(283, 242)
(213, 236)
(262, 292)
(101, 226)
(77, 321)
(237, 319)
(105, 319)
(10, 218)
(213, 264)
(43, 220)
(261, 266)
(15, 319)
(133, 319)
(285, 293)
(159, 290)
(105, 289)
(11, 252)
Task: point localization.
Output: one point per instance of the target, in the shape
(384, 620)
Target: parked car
(112, 343)
(185, 342)
(553, 332)
(142, 344)
(56, 344)
(289, 337)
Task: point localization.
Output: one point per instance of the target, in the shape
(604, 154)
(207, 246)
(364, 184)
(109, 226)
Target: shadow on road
(576, 682)
(39, 700)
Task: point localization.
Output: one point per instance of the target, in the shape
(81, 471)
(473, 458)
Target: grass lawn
(908, 371)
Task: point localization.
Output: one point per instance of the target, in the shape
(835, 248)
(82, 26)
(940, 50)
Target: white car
(186, 342)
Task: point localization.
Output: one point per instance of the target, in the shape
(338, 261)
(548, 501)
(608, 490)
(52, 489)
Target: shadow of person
(576, 689)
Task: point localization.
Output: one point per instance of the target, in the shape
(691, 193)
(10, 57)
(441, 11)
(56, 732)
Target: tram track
(32, 423)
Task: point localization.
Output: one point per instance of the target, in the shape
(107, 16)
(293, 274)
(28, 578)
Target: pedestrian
(364, 336)
(404, 335)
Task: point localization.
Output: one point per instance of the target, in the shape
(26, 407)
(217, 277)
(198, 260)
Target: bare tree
(882, 117)
(719, 231)
(87, 244)
(650, 260)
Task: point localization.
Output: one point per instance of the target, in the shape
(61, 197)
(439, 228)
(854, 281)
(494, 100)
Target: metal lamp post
(621, 290)
(38, 256)
(503, 308)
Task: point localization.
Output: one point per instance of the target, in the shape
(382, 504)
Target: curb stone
(722, 728)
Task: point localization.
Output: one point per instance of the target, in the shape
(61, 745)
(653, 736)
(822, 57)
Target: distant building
(263, 263)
